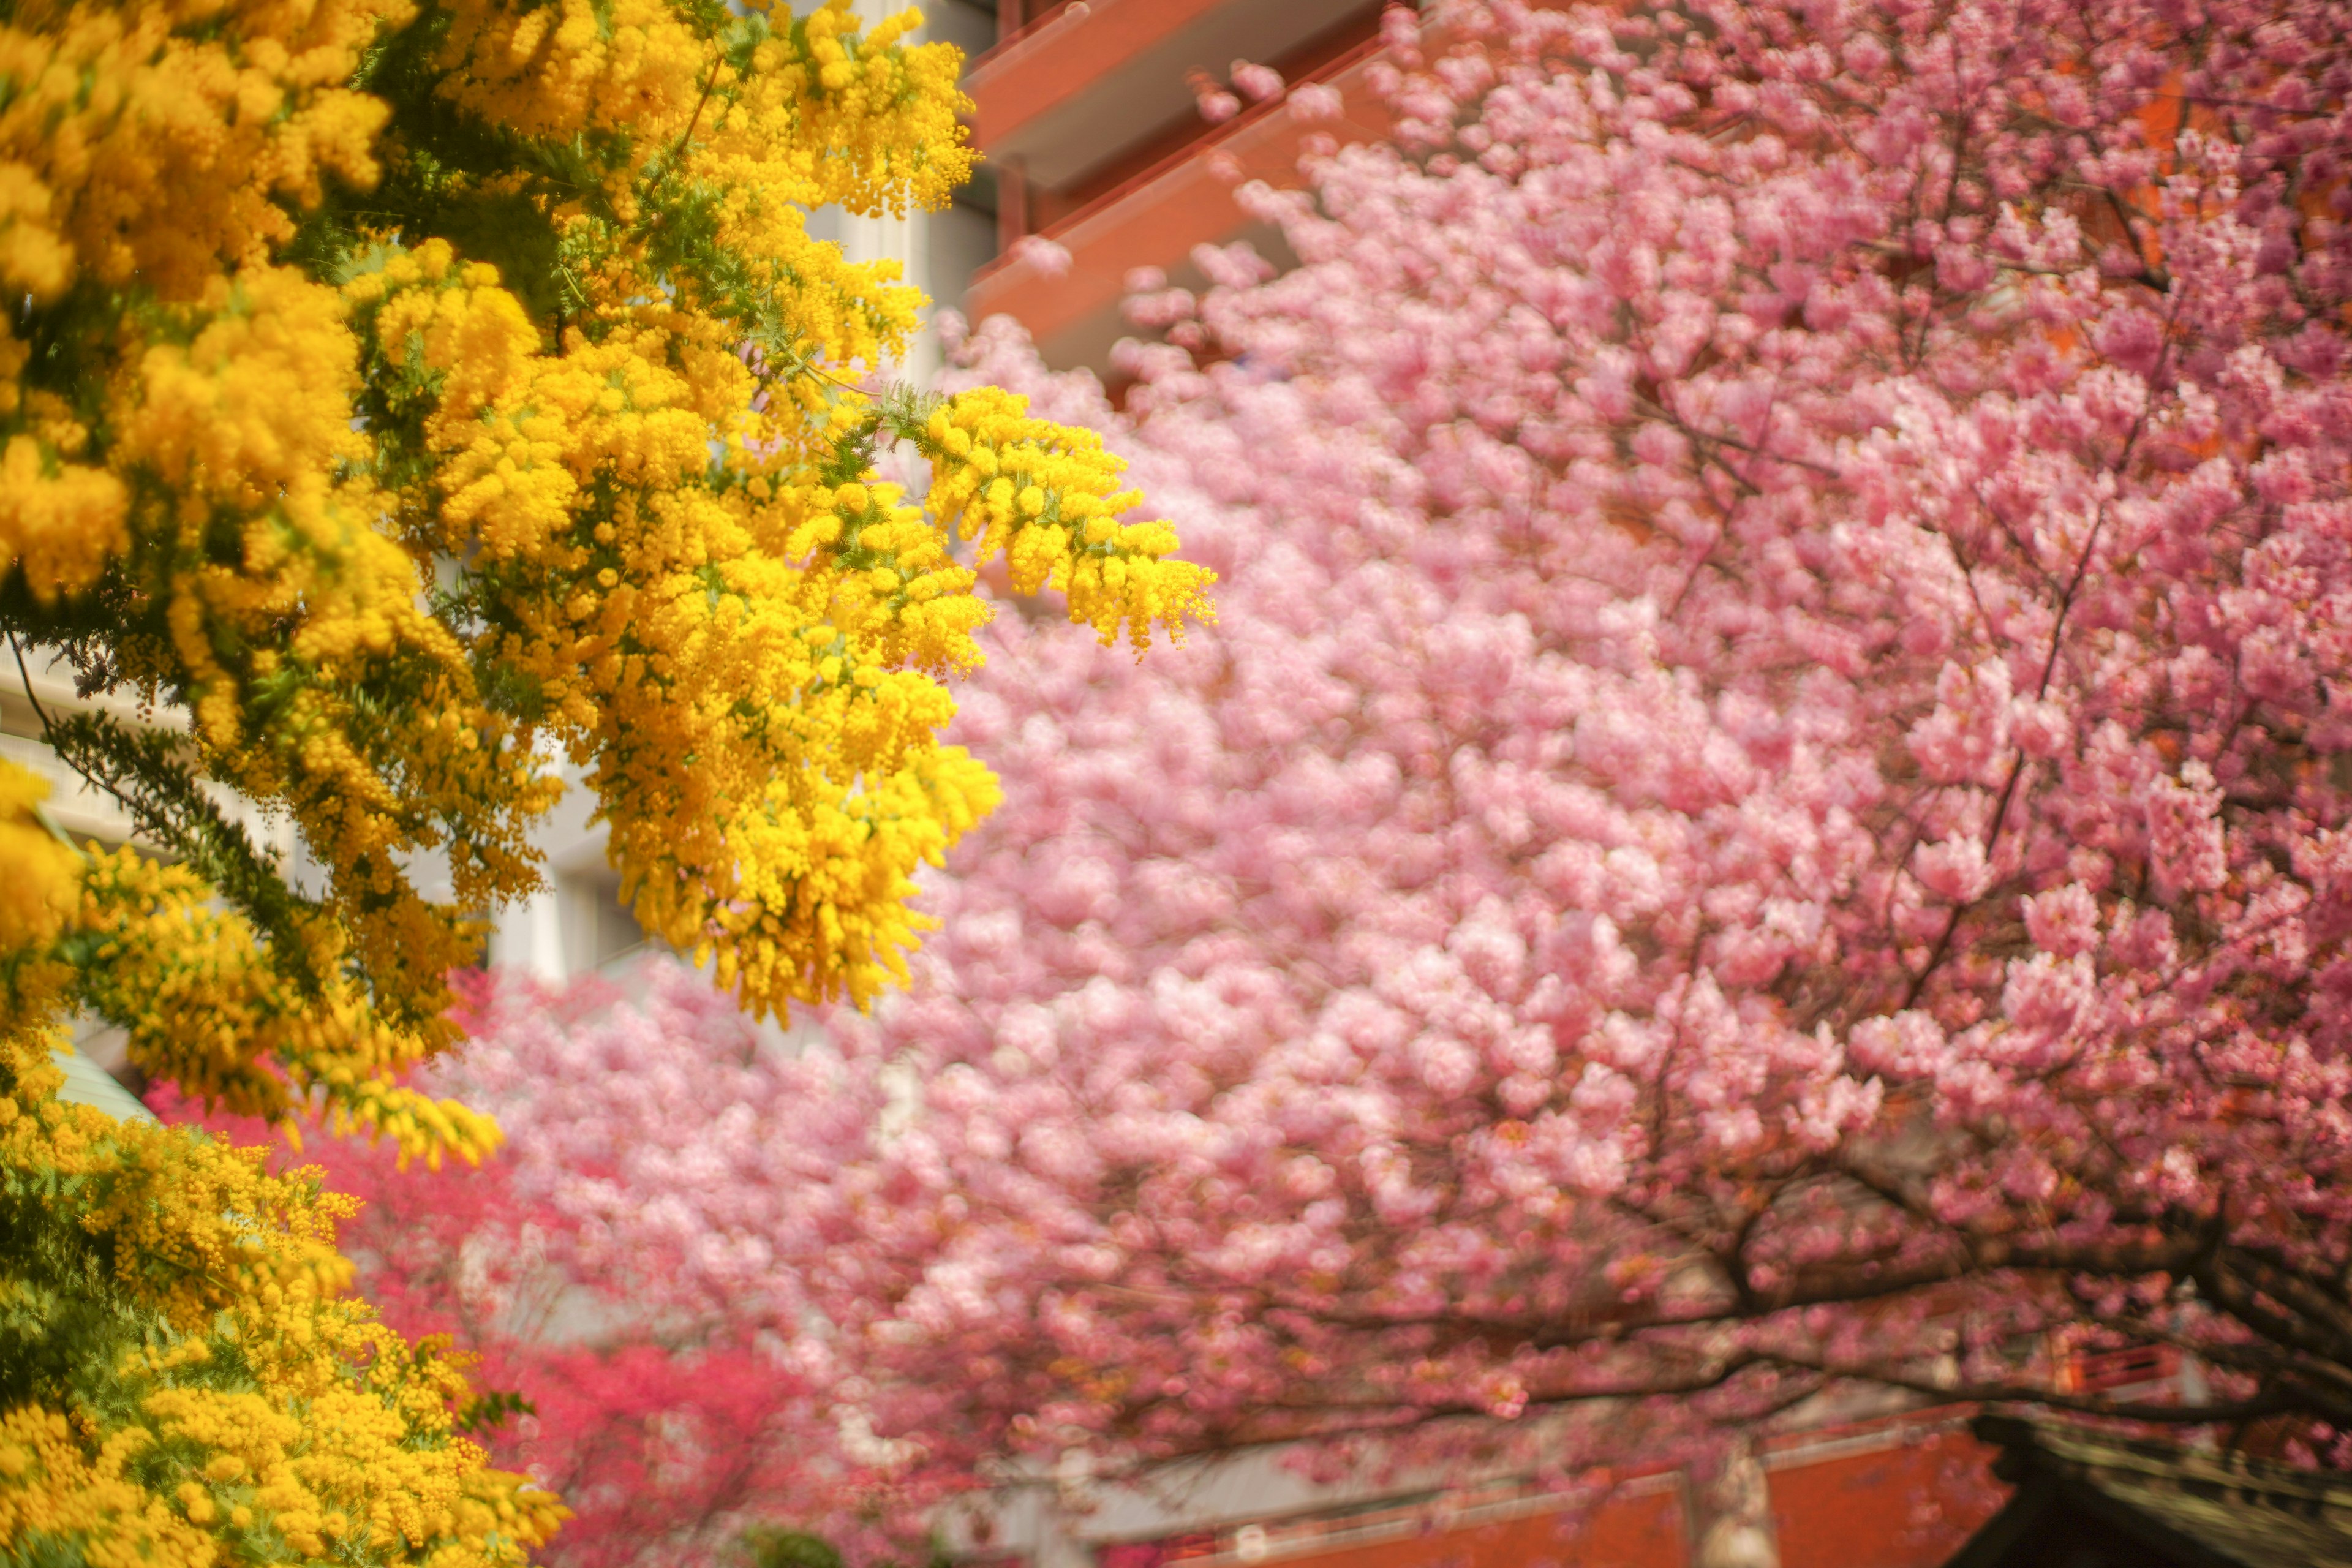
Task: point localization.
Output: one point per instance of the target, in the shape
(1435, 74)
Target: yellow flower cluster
(38, 896)
(398, 398)
(202, 1387)
(1044, 495)
(492, 402)
(137, 156)
(204, 1007)
(750, 651)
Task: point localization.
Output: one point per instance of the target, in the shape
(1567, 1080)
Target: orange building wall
(1904, 1492)
(1908, 1504)
(1158, 220)
(1643, 1531)
(1172, 192)
(1038, 70)
(1169, 192)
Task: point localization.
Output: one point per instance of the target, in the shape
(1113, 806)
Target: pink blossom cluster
(1768, 805)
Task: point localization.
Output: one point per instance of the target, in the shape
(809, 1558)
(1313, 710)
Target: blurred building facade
(1088, 113)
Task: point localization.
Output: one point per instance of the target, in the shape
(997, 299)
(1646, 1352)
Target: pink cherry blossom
(1256, 82)
(1049, 256)
(1315, 100)
(1765, 807)
(1216, 104)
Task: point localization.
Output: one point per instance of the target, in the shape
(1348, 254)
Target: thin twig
(25, 675)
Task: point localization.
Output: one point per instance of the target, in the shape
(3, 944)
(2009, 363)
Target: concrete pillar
(1731, 1508)
(528, 934)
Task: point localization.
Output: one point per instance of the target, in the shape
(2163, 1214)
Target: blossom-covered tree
(1770, 810)
(395, 400)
